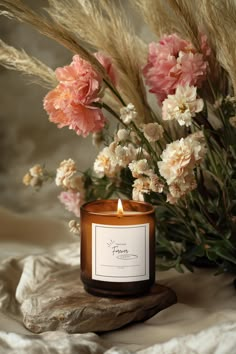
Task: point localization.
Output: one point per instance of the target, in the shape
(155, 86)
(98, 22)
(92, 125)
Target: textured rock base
(61, 303)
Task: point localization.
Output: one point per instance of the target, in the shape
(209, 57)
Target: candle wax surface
(125, 213)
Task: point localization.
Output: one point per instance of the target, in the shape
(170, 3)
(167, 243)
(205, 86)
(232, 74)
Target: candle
(117, 247)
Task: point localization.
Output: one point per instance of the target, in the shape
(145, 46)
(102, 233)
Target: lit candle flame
(120, 210)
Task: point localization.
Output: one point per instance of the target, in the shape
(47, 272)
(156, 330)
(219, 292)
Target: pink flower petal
(71, 102)
(172, 62)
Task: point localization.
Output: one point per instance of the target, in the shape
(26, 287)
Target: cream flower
(182, 106)
(155, 184)
(145, 185)
(122, 134)
(199, 135)
(105, 164)
(179, 158)
(139, 168)
(36, 171)
(140, 187)
(74, 182)
(181, 188)
(198, 143)
(142, 184)
(128, 113)
(137, 195)
(124, 154)
(74, 227)
(27, 179)
(231, 99)
(153, 131)
(34, 177)
(66, 170)
(112, 158)
(170, 199)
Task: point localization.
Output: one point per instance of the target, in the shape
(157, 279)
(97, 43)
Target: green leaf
(225, 254)
(179, 268)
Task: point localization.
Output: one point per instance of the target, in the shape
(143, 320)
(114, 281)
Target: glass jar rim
(143, 208)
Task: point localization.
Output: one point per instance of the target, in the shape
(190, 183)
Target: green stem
(202, 204)
(150, 149)
(115, 92)
(177, 211)
(198, 233)
(214, 96)
(211, 155)
(110, 110)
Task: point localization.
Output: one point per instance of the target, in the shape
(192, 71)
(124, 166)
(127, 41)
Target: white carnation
(66, 170)
(122, 134)
(182, 106)
(36, 171)
(128, 113)
(180, 157)
(181, 188)
(105, 163)
(138, 168)
(112, 159)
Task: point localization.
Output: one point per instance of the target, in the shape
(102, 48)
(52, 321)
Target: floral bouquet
(176, 151)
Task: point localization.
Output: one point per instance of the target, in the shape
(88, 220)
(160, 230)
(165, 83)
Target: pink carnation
(82, 80)
(172, 62)
(65, 112)
(72, 201)
(174, 44)
(108, 65)
(71, 102)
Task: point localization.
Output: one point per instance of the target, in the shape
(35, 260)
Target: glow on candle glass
(119, 212)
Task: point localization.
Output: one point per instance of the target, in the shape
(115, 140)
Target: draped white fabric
(203, 321)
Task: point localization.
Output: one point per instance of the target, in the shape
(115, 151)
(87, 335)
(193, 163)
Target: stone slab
(61, 303)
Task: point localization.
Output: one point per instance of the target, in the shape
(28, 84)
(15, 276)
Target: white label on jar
(120, 253)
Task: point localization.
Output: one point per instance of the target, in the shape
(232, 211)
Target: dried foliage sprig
(19, 60)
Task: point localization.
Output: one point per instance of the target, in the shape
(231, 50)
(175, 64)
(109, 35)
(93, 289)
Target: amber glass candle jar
(117, 248)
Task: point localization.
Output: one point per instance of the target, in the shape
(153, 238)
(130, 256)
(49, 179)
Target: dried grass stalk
(170, 16)
(184, 12)
(18, 10)
(154, 15)
(219, 19)
(103, 25)
(14, 59)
